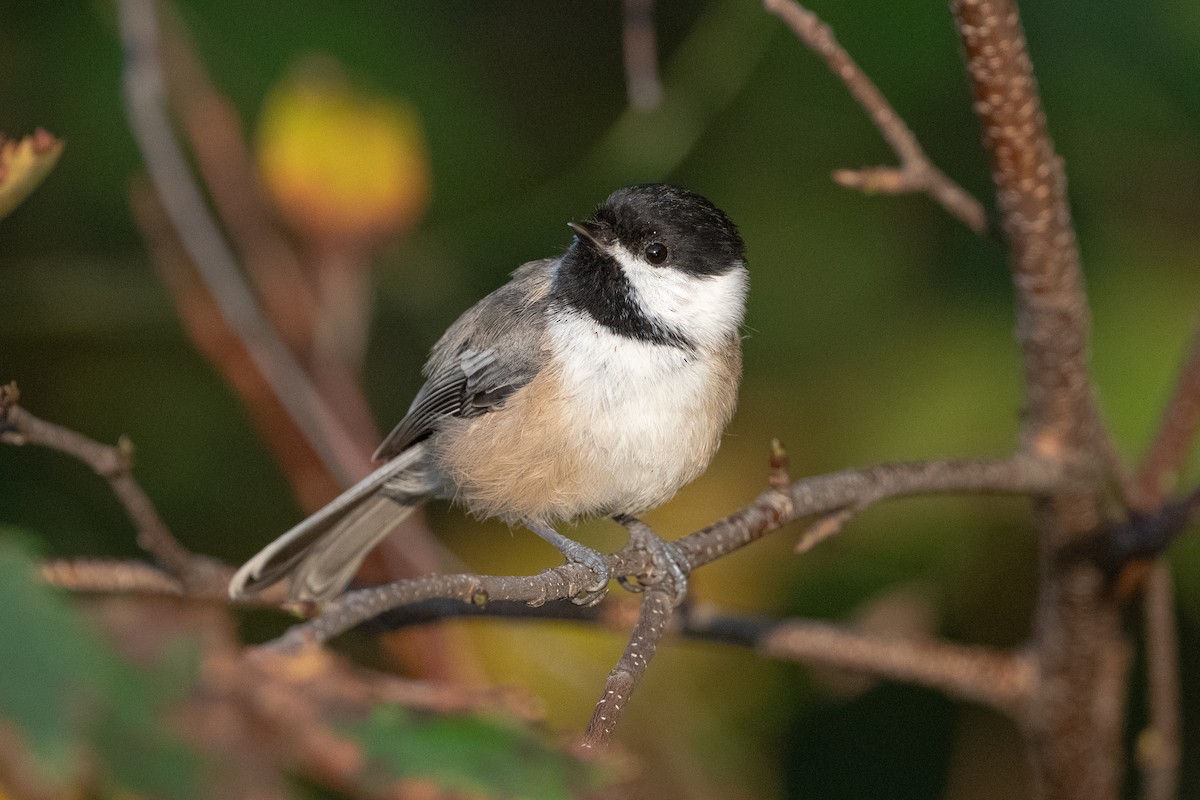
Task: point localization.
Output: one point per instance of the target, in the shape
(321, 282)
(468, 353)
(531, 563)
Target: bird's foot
(577, 553)
(670, 567)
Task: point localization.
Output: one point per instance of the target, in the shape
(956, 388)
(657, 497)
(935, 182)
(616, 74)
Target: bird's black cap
(698, 236)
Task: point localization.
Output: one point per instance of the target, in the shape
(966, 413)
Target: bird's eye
(656, 253)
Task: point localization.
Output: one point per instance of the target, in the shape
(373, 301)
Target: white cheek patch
(703, 308)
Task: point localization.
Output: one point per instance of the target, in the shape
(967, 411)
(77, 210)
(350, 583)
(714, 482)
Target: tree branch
(110, 575)
(1082, 658)
(642, 80)
(656, 610)
(1159, 748)
(771, 510)
(143, 88)
(1165, 457)
(858, 489)
(1158, 745)
(1001, 680)
(775, 507)
(916, 172)
(114, 464)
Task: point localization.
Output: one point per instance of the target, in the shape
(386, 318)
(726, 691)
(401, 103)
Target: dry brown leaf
(25, 163)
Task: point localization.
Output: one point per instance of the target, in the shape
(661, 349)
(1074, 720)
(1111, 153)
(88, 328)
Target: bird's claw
(669, 565)
(594, 592)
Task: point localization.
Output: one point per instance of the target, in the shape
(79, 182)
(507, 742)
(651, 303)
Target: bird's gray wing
(493, 350)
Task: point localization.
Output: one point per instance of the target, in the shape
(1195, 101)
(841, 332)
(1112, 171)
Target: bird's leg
(577, 553)
(670, 563)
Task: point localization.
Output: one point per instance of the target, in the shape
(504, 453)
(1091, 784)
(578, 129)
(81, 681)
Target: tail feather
(322, 553)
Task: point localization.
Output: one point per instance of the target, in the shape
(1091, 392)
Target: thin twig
(658, 603)
(115, 576)
(1003, 681)
(1158, 746)
(642, 81)
(825, 494)
(114, 464)
(145, 106)
(1165, 457)
(916, 172)
(109, 575)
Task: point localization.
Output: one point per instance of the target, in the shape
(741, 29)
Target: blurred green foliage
(878, 327)
(88, 716)
(472, 756)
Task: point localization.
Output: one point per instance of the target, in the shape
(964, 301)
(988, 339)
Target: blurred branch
(1003, 681)
(916, 172)
(109, 575)
(262, 715)
(19, 780)
(318, 428)
(114, 464)
(229, 354)
(297, 302)
(994, 678)
(1165, 457)
(230, 175)
(114, 576)
(201, 238)
(1159, 745)
(642, 81)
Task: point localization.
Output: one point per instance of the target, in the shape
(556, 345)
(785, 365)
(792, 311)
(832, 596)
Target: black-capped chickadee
(595, 383)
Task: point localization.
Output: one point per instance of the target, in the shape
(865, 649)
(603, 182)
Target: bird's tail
(322, 553)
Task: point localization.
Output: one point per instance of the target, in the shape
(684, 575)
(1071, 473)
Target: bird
(593, 384)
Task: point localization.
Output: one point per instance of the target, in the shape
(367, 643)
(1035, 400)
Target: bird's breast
(611, 425)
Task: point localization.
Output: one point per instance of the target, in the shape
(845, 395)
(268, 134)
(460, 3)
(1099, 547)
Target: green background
(879, 328)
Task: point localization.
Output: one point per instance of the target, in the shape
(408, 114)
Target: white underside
(645, 413)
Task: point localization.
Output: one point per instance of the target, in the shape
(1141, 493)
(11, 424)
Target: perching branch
(916, 172)
(774, 508)
(771, 510)
(114, 464)
(857, 489)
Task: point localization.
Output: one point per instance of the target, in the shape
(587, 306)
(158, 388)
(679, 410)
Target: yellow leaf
(24, 163)
(341, 163)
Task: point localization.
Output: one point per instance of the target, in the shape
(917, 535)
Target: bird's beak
(586, 234)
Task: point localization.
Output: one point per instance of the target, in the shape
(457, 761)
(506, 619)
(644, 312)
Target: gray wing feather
(493, 350)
